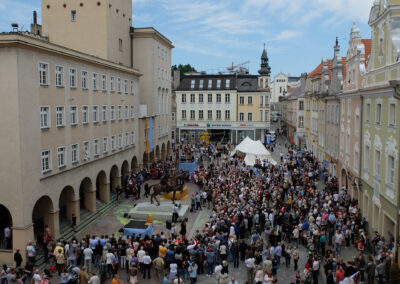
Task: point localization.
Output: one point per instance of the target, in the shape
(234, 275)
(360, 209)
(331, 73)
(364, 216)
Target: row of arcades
(82, 199)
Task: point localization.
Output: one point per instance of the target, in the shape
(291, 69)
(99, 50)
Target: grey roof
(186, 82)
(299, 91)
(247, 84)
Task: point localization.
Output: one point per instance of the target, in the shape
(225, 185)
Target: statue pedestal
(160, 213)
(178, 194)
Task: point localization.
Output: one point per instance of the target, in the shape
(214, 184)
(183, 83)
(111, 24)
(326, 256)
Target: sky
(211, 34)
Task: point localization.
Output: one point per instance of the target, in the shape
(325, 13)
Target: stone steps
(86, 219)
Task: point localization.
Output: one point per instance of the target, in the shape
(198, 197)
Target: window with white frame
(209, 99)
(201, 114)
(249, 100)
(192, 84)
(132, 138)
(96, 147)
(201, 98)
(210, 84)
(113, 141)
(356, 157)
(44, 79)
(357, 124)
(266, 116)
(210, 115)
(183, 114)
(120, 145)
(86, 150)
(103, 83)
(85, 114)
(126, 115)
(119, 112)
(132, 112)
(112, 113)
(95, 114)
(192, 115)
(73, 115)
(227, 115)
(201, 84)
(241, 116)
(392, 115)
(241, 100)
(377, 163)
(218, 84)
(60, 116)
(95, 81)
(73, 16)
(192, 98)
(250, 116)
(104, 113)
(59, 76)
(61, 154)
(183, 98)
(132, 88)
(227, 98)
(391, 164)
(72, 78)
(378, 114)
(84, 80)
(46, 161)
(366, 158)
(218, 114)
(126, 139)
(74, 153)
(125, 86)
(105, 145)
(112, 84)
(119, 86)
(227, 83)
(301, 122)
(45, 117)
(219, 98)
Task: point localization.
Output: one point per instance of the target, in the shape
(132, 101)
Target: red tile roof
(367, 45)
(317, 72)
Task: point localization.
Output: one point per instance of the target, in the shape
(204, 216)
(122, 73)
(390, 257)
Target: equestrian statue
(166, 185)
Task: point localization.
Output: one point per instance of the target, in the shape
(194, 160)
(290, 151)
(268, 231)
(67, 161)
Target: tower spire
(265, 68)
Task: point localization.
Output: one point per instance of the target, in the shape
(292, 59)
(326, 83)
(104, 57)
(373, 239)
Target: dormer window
(218, 84)
(192, 84)
(227, 83)
(201, 84)
(210, 84)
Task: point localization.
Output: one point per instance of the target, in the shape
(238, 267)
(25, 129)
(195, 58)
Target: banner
(150, 134)
(147, 136)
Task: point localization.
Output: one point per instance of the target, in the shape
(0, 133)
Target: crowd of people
(262, 218)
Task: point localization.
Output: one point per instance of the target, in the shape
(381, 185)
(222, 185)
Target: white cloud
(287, 35)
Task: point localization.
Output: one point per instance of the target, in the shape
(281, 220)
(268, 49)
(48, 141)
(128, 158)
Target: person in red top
(339, 274)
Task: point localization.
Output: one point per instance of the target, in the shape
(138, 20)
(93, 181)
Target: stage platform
(160, 213)
(136, 227)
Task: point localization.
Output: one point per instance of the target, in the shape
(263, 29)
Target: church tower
(265, 71)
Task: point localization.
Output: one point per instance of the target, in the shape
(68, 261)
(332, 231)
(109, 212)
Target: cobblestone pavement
(113, 221)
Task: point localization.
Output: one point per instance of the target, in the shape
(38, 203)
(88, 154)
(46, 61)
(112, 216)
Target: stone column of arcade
(52, 219)
(90, 201)
(104, 193)
(21, 236)
(77, 208)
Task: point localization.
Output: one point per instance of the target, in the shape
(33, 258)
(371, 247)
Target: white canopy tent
(253, 150)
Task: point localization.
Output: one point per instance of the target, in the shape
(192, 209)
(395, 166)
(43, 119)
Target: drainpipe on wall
(131, 34)
(395, 84)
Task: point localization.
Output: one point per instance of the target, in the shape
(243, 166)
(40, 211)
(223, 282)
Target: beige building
(74, 106)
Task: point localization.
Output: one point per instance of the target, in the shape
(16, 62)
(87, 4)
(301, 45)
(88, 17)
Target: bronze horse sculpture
(176, 184)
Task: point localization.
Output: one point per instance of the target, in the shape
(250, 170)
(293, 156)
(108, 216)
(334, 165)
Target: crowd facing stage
(264, 217)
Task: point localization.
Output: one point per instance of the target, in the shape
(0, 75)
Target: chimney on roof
(35, 27)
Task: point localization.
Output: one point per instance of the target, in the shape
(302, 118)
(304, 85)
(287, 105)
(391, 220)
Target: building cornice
(150, 32)
(24, 41)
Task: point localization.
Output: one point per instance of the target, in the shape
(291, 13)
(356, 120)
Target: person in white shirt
(217, 272)
(94, 279)
(140, 254)
(146, 265)
(250, 264)
(88, 252)
(36, 277)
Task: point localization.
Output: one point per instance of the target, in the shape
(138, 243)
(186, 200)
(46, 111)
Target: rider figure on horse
(164, 181)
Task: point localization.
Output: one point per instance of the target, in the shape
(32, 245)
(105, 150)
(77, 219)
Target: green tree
(183, 69)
